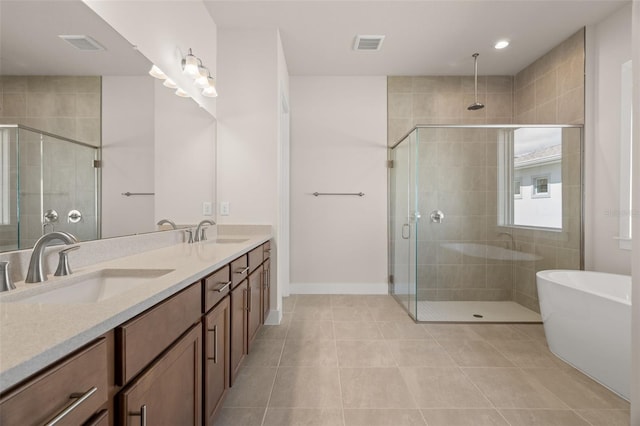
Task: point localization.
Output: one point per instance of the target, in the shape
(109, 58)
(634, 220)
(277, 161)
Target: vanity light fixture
(190, 65)
(157, 73)
(210, 91)
(501, 44)
(202, 81)
(170, 84)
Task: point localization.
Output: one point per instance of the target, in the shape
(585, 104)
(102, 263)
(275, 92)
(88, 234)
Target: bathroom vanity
(163, 352)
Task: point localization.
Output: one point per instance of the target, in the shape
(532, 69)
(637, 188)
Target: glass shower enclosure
(476, 211)
(47, 183)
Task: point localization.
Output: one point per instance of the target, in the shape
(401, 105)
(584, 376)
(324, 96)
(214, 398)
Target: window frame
(534, 186)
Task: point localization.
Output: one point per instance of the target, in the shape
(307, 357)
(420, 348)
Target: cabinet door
(216, 358)
(266, 290)
(169, 392)
(238, 327)
(254, 303)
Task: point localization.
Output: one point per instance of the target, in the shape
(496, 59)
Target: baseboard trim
(338, 288)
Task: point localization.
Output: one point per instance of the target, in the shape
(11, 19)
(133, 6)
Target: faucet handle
(5, 279)
(190, 233)
(63, 263)
(203, 234)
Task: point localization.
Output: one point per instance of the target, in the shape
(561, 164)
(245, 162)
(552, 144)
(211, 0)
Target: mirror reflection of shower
(476, 105)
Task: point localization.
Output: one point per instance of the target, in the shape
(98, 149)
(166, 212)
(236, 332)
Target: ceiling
(29, 42)
(423, 37)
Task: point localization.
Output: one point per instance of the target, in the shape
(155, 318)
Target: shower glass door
(402, 224)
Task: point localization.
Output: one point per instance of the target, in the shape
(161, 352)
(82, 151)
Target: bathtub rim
(545, 275)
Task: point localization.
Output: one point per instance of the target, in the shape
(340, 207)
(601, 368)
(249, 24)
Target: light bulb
(201, 80)
(170, 84)
(190, 65)
(182, 93)
(157, 73)
(210, 91)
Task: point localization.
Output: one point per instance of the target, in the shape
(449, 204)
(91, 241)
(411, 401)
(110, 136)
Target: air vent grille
(82, 42)
(368, 43)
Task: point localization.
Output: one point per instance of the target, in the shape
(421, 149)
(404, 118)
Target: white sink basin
(229, 240)
(90, 288)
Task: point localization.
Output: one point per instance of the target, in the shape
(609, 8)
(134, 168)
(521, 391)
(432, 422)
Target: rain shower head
(476, 105)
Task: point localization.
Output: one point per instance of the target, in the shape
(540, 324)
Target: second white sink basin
(90, 288)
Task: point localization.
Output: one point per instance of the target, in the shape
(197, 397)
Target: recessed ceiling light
(82, 42)
(501, 44)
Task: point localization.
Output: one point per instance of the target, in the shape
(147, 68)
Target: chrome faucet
(168, 222)
(5, 278)
(513, 242)
(35, 273)
(201, 235)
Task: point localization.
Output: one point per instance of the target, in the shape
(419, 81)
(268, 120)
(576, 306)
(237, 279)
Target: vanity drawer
(255, 258)
(215, 287)
(44, 397)
(239, 270)
(266, 250)
(143, 338)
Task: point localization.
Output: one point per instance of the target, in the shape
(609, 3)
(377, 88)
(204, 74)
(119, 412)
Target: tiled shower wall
(68, 106)
(549, 91)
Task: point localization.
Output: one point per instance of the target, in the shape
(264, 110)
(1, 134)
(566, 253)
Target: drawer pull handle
(242, 271)
(215, 344)
(142, 413)
(221, 287)
(249, 300)
(79, 399)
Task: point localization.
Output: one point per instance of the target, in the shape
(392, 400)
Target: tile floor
(359, 360)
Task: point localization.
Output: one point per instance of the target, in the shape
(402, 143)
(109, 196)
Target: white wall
(252, 177)
(608, 47)
(338, 144)
(127, 154)
(635, 344)
(185, 158)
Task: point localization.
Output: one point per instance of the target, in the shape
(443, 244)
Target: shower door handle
(406, 235)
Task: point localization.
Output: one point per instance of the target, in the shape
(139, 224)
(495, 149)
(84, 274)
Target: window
(530, 170)
(540, 187)
(626, 155)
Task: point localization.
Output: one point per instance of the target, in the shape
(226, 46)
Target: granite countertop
(34, 335)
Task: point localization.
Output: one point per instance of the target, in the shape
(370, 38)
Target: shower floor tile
(465, 311)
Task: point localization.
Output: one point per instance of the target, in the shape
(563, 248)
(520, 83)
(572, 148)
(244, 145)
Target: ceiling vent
(82, 42)
(368, 43)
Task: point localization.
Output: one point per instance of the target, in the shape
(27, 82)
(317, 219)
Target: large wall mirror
(67, 101)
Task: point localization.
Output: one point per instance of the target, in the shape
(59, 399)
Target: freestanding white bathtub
(587, 320)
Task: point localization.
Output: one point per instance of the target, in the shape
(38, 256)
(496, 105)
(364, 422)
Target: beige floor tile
(543, 418)
(381, 301)
(364, 353)
(527, 353)
(403, 330)
(275, 331)
(374, 388)
(420, 353)
(251, 388)
(264, 353)
(309, 353)
(390, 313)
(342, 313)
(463, 417)
(474, 353)
(356, 330)
(443, 388)
(606, 417)
(310, 330)
(451, 332)
(312, 313)
(574, 392)
(303, 417)
(498, 332)
(534, 331)
(348, 301)
(512, 388)
(318, 300)
(288, 303)
(306, 387)
(382, 417)
(598, 389)
(244, 416)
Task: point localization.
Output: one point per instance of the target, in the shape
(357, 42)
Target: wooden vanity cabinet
(216, 361)
(266, 289)
(79, 383)
(238, 343)
(254, 304)
(169, 392)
